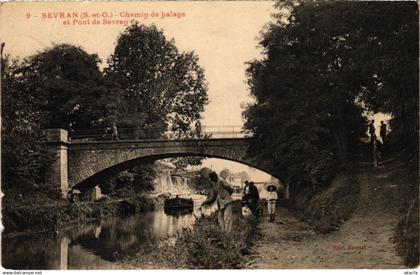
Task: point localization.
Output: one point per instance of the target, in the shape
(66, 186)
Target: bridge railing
(107, 134)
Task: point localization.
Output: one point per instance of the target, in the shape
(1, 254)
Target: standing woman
(272, 198)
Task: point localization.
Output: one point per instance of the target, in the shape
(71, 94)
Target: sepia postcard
(246, 135)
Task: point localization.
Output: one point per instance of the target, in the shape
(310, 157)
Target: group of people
(377, 146)
(251, 197)
(222, 195)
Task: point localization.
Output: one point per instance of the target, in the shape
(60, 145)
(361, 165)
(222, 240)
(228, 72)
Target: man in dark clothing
(372, 130)
(251, 197)
(382, 132)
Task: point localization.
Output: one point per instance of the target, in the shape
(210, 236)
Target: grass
(202, 247)
(407, 235)
(407, 231)
(327, 210)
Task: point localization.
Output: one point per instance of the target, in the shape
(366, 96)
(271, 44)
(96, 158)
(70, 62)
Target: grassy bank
(407, 231)
(31, 212)
(202, 247)
(326, 210)
(407, 234)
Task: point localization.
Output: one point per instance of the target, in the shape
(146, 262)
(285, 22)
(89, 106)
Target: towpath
(363, 241)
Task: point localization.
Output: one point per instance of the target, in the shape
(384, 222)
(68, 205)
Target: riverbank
(365, 240)
(23, 213)
(203, 246)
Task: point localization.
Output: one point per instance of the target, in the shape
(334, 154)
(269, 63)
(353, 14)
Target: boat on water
(177, 204)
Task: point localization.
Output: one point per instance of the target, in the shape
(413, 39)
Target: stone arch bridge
(82, 164)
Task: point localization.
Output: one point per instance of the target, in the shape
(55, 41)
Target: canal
(96, 245)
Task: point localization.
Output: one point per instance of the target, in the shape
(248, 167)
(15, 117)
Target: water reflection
(94, 245)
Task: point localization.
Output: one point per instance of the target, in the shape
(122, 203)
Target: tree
(297, 117)
(392, 51)
(165, 87)
(324, 66)
(60, 87)
(131, 181)
(202, 180)
(376, 45)
(74, 92)
(24, 155)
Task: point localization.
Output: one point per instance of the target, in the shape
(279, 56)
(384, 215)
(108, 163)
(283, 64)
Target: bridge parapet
(206, 132)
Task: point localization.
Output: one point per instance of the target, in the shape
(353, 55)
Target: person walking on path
(372, 131)
(221, 193)
(376, 151)
(114, 129)
(198, 129)
(251, 197)
(272, 198)
(382, 132)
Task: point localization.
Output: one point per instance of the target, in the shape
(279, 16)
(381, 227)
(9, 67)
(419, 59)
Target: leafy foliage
(73, 90)
(60, 87)
(326, 62)
(206, 247)
(161, 84)
(148, 83)
(182, 163)
(126, 183)
(24, 155)
(163, 89)
(201, 182)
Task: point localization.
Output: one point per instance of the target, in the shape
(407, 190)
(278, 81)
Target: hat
(271, 186)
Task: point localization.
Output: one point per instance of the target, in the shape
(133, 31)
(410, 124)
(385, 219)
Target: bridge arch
(81, 163)
(112, 170)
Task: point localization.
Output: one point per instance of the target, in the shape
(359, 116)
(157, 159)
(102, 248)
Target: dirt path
(364, 241)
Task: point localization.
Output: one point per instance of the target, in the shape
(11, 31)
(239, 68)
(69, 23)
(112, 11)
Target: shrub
(202, 247)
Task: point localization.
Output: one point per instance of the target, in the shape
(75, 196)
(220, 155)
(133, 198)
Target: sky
(222, 34)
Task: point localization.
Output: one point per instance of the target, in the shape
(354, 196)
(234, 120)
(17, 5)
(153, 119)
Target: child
(271, 201)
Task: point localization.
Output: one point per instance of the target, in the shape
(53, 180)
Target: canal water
(97, 245)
